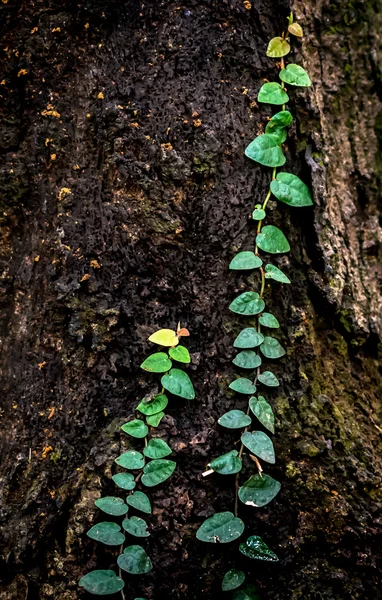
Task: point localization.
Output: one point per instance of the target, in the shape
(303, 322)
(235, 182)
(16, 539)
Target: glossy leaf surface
(278, 47)
(154, 406)
(178, 383)
(245, 261)
(289, 188)
(295, 75)
(227, 464)
(112, 505)
(222, 528)
(271, 348)
(268, 378)
(272, 93)
(247, 359)
(180, 354)
(248, 303)
(268, 320)
(260, 445)
(255, 548)
(101, 583)
(235, 419)
(266, 150)
(134, 560)
(157, 363)
(243, 386)
(157, 471)
(135, 428)
(271, 239)
(130, 460)
(248, 338)
(135, 526)
(263, 411)
(108, 533)
(232, 580)
(272, 272)
(157, 448)
(139, 501)
(259, 490)
(125, 481)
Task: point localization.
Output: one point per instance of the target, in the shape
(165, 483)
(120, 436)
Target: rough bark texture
(124, 194)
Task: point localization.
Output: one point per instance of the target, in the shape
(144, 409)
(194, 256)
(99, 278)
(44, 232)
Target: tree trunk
(124, 195)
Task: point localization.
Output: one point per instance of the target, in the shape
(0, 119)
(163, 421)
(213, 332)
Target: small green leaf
(154, 406)
(248, 304)
(134, 560)
(154, 420)
(272, 93)
(271, 239)
(124, 480)
(258, 214)
(245, 261)
(112, 505)
(108, 533)
(248, 338)
(157, 448)
(235, 419)
(180, 354)
(101, 583)
(248, 359)
(135, 526)
(295, 75)
(255, 548)
(268, 320)
(232, 580)
(227, 464)
(278, 125)
(139, 501)
(157, 471)
(268, 378)
(266, 150)
(178, 383)
(263, 411)
(135, 428)
(222, 528)
(259, 490)
(259, 444)
(278, 47)
(271, 348)
(243, 386)
(249, 592)
(164, 337)
(290, 189)
(272, 272)
(130, 460)
(157, 363)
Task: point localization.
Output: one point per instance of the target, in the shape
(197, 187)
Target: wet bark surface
(124, 194)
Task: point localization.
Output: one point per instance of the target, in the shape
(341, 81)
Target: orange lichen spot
(64, 192)
(147, 137)
(5, 1)
(134, 124)
(76, 167)
(14, 405)
(22, 72)
(100, 96)
(41, 365)
(47, 141)
(51, 412)
(167, 146)
(56, 29)
(245, 91)
(34, 30)
(95, 264)
(87, 25)
(46, 451)
(247, 5)
(52, 493)
(85, 277)
(220, 55)
(88, 115)
(53, 156)
(2, 82)
(195, 114)
(50, 112)
(197, 123)
(37, 258)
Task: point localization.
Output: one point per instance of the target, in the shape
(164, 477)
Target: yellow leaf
(164, 337)
(295, 29)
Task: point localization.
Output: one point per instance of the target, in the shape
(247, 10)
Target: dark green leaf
(157, 448)
(139, 501)
(135, 428)
(266, 150)
(269, 379)
(259, 490)
(154, 420)
(268, 320)
(222, 528)
(290, 189)
(248, 338)
(227, 464)
(263, 411)
(258, 214)
(134, 560)
(272, 93)
(243, 386)
(245, 261)
(248, 359)
(249, 592)
(180, 354)
(112, 505)
(272, 272)
(124, 480)
(260, 445)
(130, 460)
(271, 239)
(101, 583)
(154, 406)
(248, 304)
(157, 471)
(108, 533)
(235, 419)
(295, 75)
(157, 363)
(278, 125)
(271, 348)
(255, 548)
(135, 526)
(232, 580)
(278, 47)
(178, 383)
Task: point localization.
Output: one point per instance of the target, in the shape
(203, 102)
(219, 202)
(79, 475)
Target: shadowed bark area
(124, 194)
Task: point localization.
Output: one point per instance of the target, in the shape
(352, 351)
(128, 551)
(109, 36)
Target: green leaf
(268, 320)
(101, 583)
(263, 411)
(272, 93)
(232, 580)
(260, 445)
(164, 337)
(157, 363)
(112, 506)
(157, 471)
(255, 548)
(248, 338)
(154, 406)
(135, 428)
(134, 560)
(266, 150)
(278, 124)
(268, 378)
(180, 354)
(130, 460)
(227, 464)
(259, 490)
(249, 592)
(290, 189)
(125, 481)
(295, 29)
(245, 261)
(178, 383)
(223, 527)
(271, 348)
(278, 47)
(243, 386)
(139, 501)
(271, 239)
(272, 272)
(157, 448)
(154, 420)
(235, 419)
(108, 533)
(258, 214)
(135, 526)
(295, 75)
(248, 359)
(248, 304)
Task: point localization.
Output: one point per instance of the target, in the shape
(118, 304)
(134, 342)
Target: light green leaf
(268, 320)
(222, 528)
(271, 239)
(272, 93)
(108, 533)
(244, 261)
(271, 348)
(290, 189)
(135, 526)
(278, 125)
(259, 490)
(266, 150)
(243, 386)
(272, 272)
(258, 214)
(135, 428)
(157, 471)
(130, 460)
(157, 448)
(248, 338)
(248, 359)
(232, 580)
(248, 304)
(295, 29)
(278, 47)
(139, 501)
(154, 420)
(263, 411)
(112, 505)
(157, 363)
(227, 464)
(249, 592)
(178, 383)
(235, 419)
(164, 337)
(268, 378)
(295, 75)
(260, 445)
(154, 406)
(125, 481)
(134, 560)
(101, 583)
(180, 354)
(255, 548)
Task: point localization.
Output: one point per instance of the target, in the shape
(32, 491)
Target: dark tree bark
(124, 194)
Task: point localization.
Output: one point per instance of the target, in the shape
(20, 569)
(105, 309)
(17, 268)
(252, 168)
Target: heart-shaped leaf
(248, 304)
(255, 548)
(125, 481)
(101, 583)
(266, 150)
(139, 501)
(243, 386)
(248, 338)
(157, 448)
(259, 490)
(268, 378)
(157, 471)
(135, 428)
(248, 359)
(154, 406)
(259, 444)
(134, 560)
(271, 348)
(235, 419)
(157, 363)
(271, 239)
(180, 354)
(227, 464)
(135, 526)
(154, 420)
(278, 47)
(222, 528)
(272, 272)
(268, 320)
(272, 93)
(232, 580)
(295, 75)
(164, 337)
(249, 592)
(263, 411)
(244, 261)
(278, 125)
(130, 460)
(258, 214)
(112, 505)
(295, 29)
(107, 533)
(290, 189)
(178, 383)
